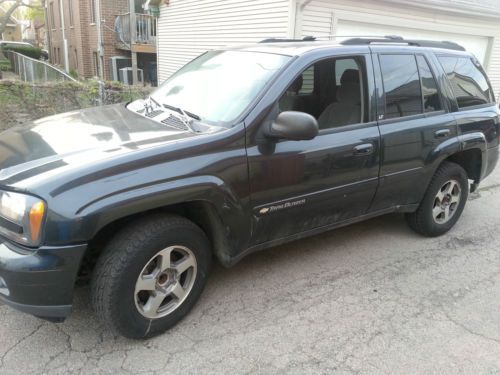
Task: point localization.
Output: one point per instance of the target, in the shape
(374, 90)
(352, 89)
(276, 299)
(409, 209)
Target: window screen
(401, 85)
(467, 80)
(432, 101)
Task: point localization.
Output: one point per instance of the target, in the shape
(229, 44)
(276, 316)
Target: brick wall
(82, 36)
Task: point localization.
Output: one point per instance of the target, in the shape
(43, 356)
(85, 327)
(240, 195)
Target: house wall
(82, 36)
(186, 28)
(12, 33)
(436, 19)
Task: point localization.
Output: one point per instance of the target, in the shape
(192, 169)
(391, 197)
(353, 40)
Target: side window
(430, 93)
(338, 88)
(401, 85)
(341, 66)
(469, 83)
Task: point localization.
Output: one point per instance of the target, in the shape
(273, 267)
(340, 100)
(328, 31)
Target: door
(298, 186)
(414, 120)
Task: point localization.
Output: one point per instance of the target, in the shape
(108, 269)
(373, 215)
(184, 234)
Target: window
(52, 18)
(70, 11)
(330, 90)
(469, 83)
(430, 93)
(401, 85)
(341, 66)
(93, 9)
(96, 64)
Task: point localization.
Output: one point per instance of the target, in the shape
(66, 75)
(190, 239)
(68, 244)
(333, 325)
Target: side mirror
(295, 126)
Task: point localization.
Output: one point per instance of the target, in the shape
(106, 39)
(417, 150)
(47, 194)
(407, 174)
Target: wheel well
(470, 161)
(202, 213)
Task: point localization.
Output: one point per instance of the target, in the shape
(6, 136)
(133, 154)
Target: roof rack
(279, 40)
(367, 40)
(399, 40)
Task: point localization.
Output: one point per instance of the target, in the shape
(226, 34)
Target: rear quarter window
(469, 83)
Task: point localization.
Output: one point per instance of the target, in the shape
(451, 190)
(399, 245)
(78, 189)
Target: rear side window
(400, 76)
(430, 94)
(469, 83)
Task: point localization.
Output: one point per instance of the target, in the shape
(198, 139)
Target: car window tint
(401, 85)
(467, 80)
(341, 66)
(307, 81)
(432, 101)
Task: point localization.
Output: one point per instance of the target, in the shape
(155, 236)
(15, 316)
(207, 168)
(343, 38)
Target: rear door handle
(364, 149)
(443, 133)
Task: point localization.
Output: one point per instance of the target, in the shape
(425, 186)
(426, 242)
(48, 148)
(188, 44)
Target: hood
(78, 137)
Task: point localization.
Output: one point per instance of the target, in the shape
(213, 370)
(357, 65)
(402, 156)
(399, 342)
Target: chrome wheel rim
(165, 282)
(446, 202)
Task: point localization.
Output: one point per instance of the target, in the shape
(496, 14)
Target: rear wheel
(150, 275)
(443, 202)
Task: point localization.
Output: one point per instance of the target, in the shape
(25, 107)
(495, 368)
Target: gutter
(447, 6)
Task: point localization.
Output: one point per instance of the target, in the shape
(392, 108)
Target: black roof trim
(400, 40)
(279, 40)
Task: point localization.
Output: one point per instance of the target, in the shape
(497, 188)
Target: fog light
(3, 287)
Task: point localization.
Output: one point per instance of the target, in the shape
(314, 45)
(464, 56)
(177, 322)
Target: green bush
(4, 65)
(73, 73)
(29, 51)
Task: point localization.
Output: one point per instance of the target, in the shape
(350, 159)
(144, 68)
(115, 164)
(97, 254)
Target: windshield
(219, 85)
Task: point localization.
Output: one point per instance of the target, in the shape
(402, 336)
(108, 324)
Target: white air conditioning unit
(126, 76)
(115, 64)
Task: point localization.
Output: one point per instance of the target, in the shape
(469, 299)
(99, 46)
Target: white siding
(187, 28)
(326, 17)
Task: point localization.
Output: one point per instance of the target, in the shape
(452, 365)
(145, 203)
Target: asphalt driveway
(370, 298)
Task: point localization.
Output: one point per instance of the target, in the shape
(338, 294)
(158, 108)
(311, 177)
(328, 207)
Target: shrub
(73, 73)
(4, 65)
(29, 51)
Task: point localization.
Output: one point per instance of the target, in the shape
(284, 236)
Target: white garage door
(478, 45)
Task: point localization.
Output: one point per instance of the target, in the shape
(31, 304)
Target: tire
(431, 219)
(134, 259)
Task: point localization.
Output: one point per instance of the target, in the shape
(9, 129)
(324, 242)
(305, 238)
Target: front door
(297, 186)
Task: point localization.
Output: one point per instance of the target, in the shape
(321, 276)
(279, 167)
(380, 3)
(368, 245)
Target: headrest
(349, 93)
(350, 76)
(296, 85)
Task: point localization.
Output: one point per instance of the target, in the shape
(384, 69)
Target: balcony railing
(144, 31)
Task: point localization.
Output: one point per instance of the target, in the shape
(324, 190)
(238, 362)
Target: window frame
(361, 59)
(385, 120)
(440, 94)
(93, 15)
(452, 92)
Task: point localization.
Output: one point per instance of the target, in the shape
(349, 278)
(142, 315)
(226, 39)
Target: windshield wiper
(187, 114)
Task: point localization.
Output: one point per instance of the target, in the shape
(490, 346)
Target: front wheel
(443, 201)
(150, 275)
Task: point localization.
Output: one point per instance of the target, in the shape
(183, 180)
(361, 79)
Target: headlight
(21, 217)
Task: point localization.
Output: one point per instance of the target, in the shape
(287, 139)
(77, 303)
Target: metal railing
(32, 70)
(144, 30)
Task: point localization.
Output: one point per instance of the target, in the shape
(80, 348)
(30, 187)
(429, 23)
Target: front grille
(175, 122)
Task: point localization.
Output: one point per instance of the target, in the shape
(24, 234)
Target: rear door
(414, 121)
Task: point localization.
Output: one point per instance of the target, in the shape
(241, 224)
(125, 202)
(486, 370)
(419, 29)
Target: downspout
(65, 41)
(300, 5)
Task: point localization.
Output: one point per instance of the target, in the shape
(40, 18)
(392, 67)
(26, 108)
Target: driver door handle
(364, 149)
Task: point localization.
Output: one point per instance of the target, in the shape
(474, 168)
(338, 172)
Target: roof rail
(399, 40)
(279, 40)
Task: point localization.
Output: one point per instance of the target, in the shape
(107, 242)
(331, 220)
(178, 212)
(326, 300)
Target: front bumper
(39, 282)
